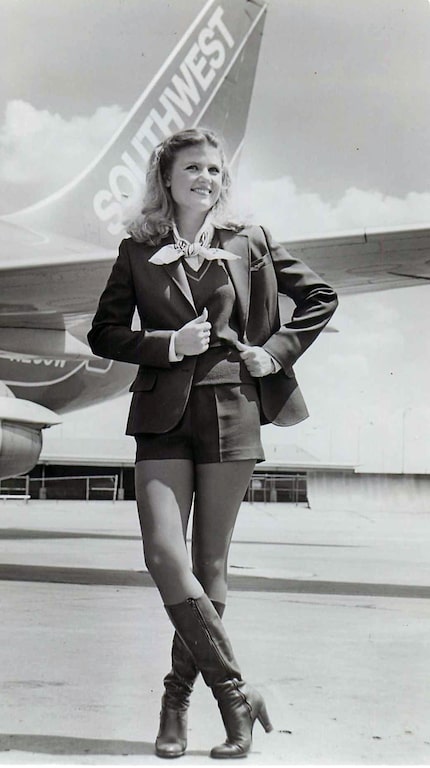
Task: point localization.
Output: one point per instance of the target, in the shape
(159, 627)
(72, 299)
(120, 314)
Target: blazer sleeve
(111, 335)
(315, 304)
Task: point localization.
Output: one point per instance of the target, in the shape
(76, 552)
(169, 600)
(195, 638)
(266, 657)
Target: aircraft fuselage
(65, 385)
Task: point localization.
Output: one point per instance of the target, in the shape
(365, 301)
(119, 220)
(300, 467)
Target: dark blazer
(164, 302)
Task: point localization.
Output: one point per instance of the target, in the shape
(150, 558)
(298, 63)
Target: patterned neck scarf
(194, 252)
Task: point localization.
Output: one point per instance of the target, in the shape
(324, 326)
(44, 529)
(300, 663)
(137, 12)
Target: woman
(214, 363)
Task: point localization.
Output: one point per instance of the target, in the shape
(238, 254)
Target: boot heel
(264, 719)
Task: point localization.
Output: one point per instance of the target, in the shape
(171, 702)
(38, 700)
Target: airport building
(340, 457)
(110, 475)
(97, 468)
(103, 469)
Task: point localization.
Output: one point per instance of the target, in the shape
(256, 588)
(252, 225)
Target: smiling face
(195, 180)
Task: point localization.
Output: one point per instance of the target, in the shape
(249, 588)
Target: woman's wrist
(174, 357)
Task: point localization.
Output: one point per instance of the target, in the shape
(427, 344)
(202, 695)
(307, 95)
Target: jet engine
(21, 425)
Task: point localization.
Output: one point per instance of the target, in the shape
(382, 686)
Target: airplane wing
(65, 283)
(371, 260)
(58, 296)
(53, 293)
(48, 274)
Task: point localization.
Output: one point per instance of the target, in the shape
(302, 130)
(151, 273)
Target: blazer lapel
(176, 272)
(239, 271)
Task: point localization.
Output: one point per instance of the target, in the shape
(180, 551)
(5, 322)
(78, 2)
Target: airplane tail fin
(206, 80)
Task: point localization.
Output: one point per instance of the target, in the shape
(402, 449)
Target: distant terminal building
(101, 469)
(104, 469)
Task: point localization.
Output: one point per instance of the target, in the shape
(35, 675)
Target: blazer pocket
(144, 382)
(261, 261)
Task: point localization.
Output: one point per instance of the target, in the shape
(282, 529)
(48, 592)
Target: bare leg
(220, 489)
(164, 491)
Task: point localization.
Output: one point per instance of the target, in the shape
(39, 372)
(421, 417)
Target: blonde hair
(156, 217)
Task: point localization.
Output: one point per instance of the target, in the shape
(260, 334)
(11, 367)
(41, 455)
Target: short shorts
(221, 422)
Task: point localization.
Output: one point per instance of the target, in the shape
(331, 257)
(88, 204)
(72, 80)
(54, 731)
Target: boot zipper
(243, 697)
(202, 623)
(233, 680)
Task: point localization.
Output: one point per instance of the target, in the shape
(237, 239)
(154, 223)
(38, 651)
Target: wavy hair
(156, 216)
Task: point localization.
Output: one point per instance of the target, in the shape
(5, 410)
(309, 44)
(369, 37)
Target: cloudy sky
(338, 131)
(337, 140)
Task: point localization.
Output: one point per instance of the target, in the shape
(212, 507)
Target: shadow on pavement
(71, 745)
(18, 534)
(242, 583)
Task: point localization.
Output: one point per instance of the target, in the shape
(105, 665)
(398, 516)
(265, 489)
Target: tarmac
(328, 613)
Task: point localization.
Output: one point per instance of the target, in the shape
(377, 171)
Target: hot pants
(221, 422)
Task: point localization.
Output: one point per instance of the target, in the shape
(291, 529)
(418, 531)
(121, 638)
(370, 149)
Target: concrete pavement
(329, 615)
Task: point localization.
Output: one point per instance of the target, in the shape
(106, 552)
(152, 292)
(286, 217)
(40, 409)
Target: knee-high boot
(202, 631)
(171, 739)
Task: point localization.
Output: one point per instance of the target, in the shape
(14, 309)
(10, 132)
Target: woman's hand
(258, 362)
(193, 338)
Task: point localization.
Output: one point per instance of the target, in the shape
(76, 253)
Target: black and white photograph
(214, 367)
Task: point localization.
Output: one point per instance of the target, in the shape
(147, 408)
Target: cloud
(291, 213)
(40, 151)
